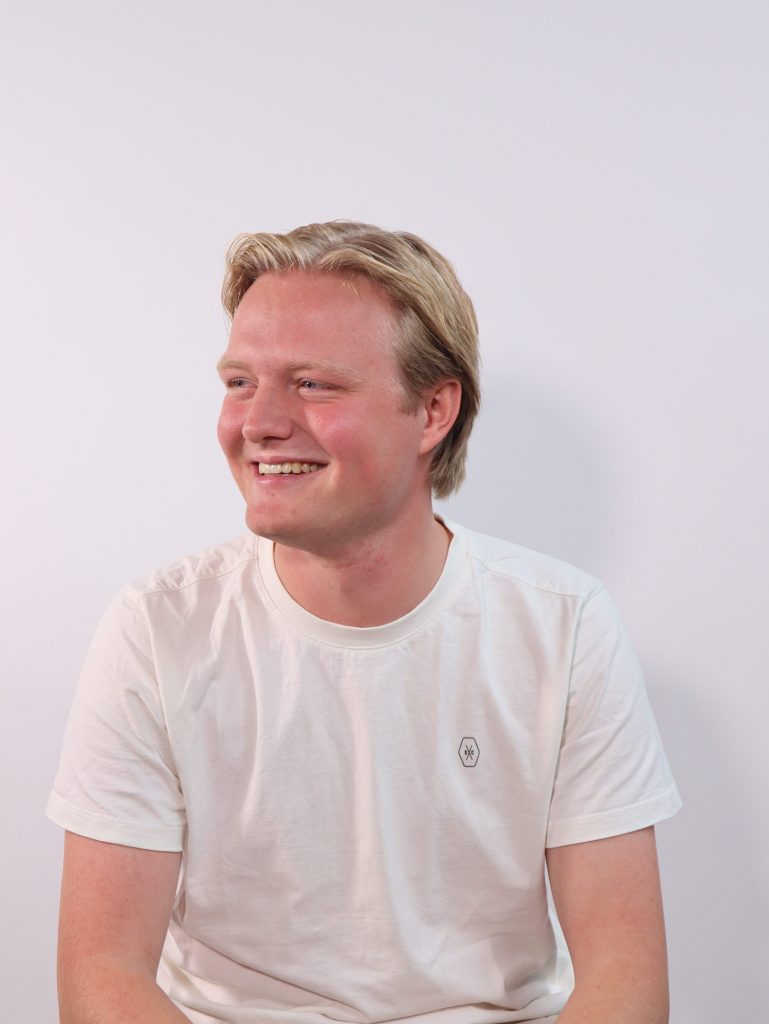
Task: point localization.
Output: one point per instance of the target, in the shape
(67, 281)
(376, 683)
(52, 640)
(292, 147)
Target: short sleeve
(117, 780)
(612, 775)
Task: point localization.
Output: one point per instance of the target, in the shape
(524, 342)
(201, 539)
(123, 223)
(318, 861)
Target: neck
(381, 580)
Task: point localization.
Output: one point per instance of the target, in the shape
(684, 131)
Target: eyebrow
(229, 364)
(308, 367)
(326, 367)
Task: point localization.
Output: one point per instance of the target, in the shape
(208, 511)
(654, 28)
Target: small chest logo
(469, 752)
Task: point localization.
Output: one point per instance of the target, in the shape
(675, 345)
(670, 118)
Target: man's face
(311, 381)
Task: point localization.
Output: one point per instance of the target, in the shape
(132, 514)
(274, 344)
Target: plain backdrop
(596, 170)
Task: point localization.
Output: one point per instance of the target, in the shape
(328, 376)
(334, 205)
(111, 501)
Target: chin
(272, 527)
(261, 525)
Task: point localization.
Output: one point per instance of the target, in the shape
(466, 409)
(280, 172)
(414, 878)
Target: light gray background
(596, 170)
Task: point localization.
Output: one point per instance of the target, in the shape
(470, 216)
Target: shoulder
(519, 565)
(213, 565)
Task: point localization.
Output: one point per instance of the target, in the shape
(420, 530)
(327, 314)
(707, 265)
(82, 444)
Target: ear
(440, 407)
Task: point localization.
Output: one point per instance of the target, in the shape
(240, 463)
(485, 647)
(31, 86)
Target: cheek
(350, 438)
(373, 455)
(228, 429)
(368, 443)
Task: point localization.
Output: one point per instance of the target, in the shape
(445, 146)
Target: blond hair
(437, 328)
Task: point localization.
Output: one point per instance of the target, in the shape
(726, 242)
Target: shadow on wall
(536, 476)
(714, 874)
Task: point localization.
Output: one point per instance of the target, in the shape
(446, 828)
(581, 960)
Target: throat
(372, 590)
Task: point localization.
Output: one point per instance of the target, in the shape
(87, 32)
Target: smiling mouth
(276, 468)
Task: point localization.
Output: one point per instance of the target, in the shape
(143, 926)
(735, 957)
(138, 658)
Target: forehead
(303, 309)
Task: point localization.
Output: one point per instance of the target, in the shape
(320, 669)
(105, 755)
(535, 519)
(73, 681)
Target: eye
(236, 382)
(311, 385)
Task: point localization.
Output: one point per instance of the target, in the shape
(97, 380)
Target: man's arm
(116, 903)
(608, 899)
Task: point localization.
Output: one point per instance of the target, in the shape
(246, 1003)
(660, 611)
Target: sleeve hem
(615, 822)
(106, 830)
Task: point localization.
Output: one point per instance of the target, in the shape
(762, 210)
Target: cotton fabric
(363, 813)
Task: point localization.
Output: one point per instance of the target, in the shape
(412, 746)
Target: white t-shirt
(363, 812)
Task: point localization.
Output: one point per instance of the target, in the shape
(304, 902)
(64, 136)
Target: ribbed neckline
(364, 636)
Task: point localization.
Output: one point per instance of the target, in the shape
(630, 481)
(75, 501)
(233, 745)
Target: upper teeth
(288, 467)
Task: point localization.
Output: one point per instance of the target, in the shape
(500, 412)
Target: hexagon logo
(469, 752)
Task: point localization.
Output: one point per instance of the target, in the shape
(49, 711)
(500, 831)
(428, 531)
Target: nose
(268, 416)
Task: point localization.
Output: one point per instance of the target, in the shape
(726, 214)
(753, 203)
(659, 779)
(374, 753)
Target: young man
(316, 773)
